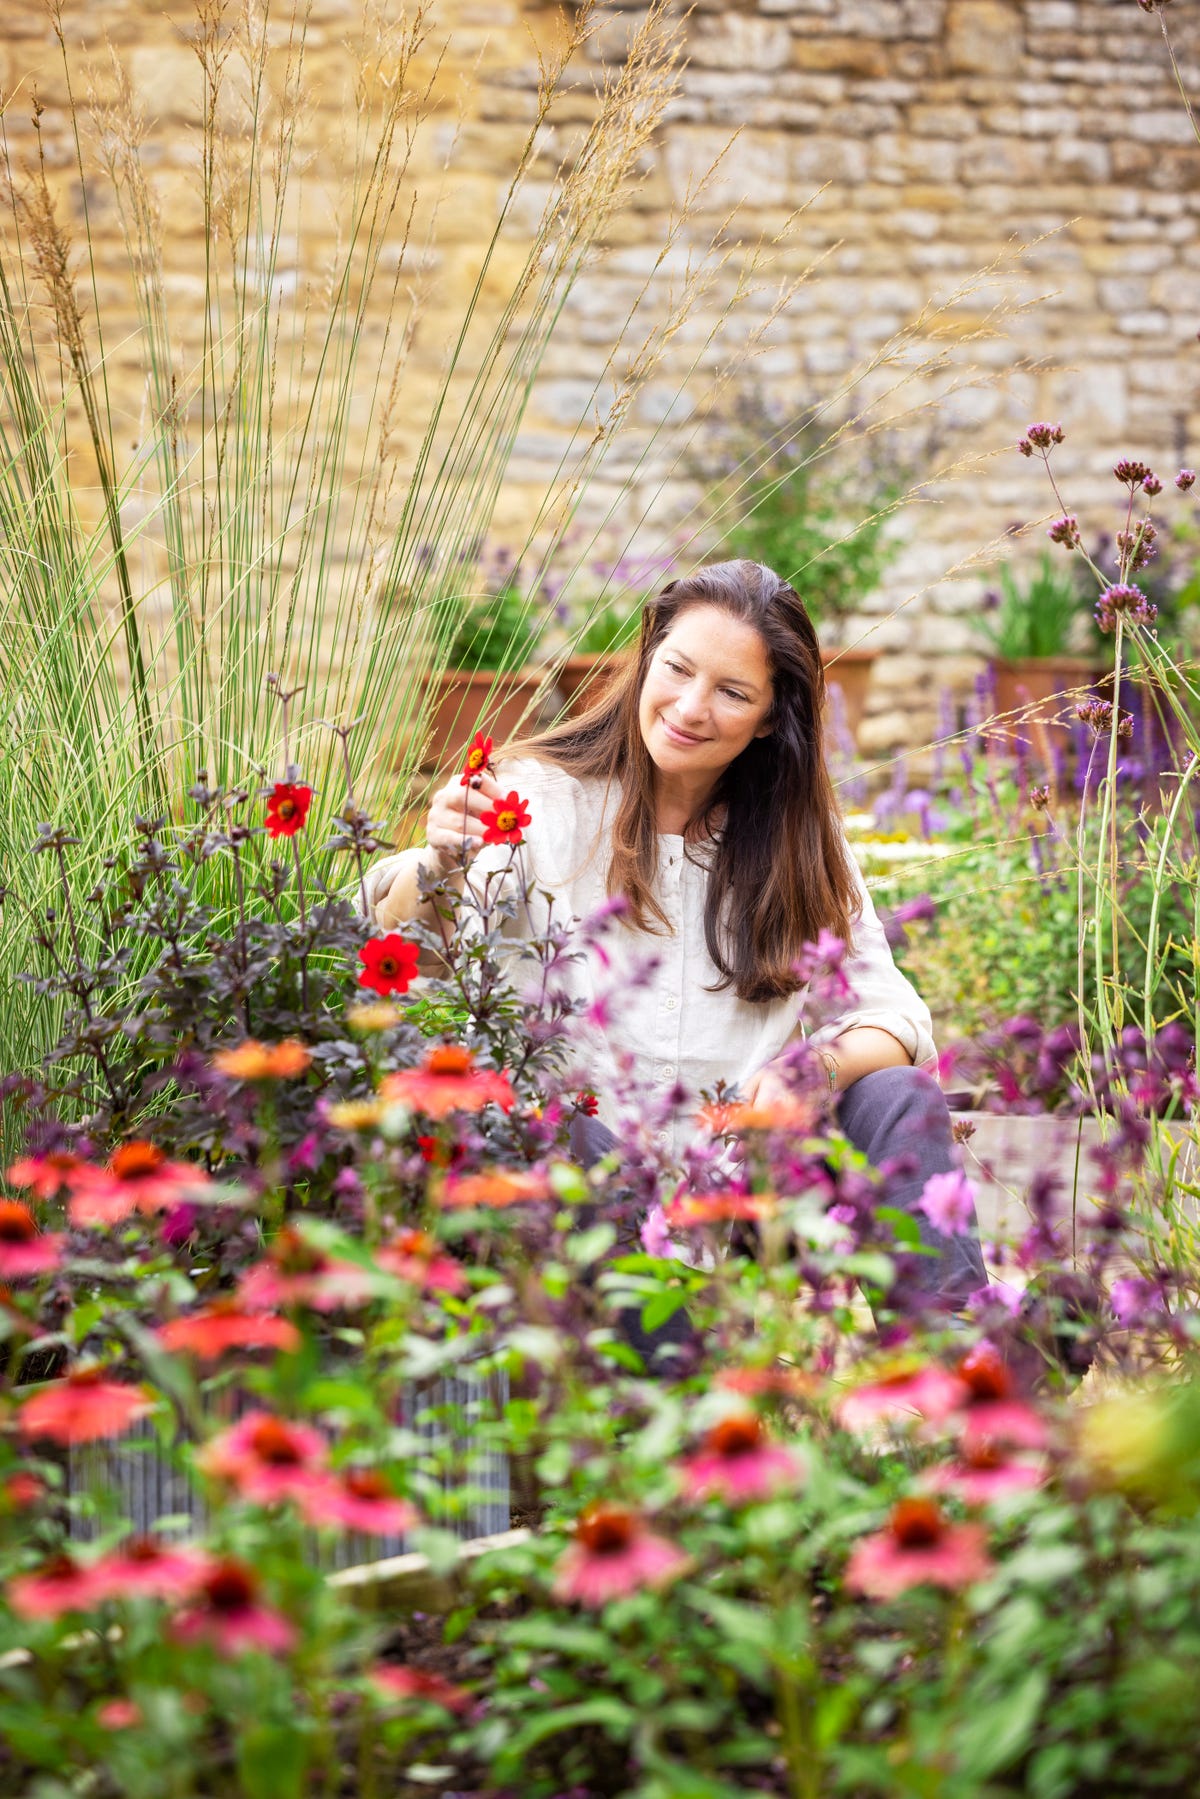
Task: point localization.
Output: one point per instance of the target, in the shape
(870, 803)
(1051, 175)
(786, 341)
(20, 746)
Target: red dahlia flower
(389, 964)
(506, 821)
(83, 1408)
(739, 1464)
(614, 1554)
(230, 1617)
(137, 1177)
(23, 1251)
(479, 758)
(360, 1500)
(448, 1081)
(265, 1458)
(209, 1332)
(918, 1546)
(287, 808)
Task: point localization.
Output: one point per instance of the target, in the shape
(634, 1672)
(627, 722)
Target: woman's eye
(675, 668)
(734, 694)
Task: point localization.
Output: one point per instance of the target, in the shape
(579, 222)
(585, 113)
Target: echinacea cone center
(134, 1161)
(917, 1523)
(606, 1531)
(449, 1058)
(736, 1436)
(273, 1442)
(229, 1588)
(16, 1222)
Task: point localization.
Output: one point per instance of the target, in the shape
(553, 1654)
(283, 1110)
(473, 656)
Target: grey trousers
(899, 1120)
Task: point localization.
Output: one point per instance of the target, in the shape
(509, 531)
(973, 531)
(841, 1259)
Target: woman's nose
(690, 702)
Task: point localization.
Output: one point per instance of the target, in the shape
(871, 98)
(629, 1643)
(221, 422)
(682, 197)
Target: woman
(697, 789)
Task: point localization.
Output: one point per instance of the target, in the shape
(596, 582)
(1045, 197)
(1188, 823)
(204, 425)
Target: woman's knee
(893, 1091)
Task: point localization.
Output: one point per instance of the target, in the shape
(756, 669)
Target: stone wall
(1011, 186)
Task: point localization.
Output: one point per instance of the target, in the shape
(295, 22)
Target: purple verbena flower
(1131, 473)
(1185, 478)
(1065, 530)
(1123, 598)
(1040, 437)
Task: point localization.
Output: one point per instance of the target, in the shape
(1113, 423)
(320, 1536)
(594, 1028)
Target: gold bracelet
(829, 1064)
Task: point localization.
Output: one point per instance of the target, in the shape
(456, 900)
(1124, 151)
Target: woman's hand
(454, 826)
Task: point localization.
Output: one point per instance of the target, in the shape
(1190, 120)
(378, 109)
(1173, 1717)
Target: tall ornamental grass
(260, 515)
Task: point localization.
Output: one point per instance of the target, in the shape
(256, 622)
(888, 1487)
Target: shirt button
(670, 1003)
(667, 1072)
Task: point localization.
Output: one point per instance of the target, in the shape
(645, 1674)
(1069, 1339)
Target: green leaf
(605, 1710)
(661, 1307)
(271, 1762)
(999, 1731)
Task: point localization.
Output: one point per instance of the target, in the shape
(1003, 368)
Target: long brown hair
(779, 868)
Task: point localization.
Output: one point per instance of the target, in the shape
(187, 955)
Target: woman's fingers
(456, 813)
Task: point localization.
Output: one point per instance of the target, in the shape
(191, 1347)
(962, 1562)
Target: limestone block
(827, 159)
(1081, 159)
(983, 37)
(1158, 125)
(1052, 15)
(995, 159)
(897, 157)
(943, 119)
(883, 731)
(924, 18)
(871, 18)
(855, 56)
(1150, 322)
(732, 40)
(754, 166)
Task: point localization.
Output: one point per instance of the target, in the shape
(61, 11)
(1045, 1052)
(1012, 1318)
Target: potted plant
(1036, 626)
(488, 678)
(822, 527)
(587, 671)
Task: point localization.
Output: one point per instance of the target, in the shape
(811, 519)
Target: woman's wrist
(833, 1073)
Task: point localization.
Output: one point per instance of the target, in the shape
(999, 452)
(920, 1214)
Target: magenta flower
(360, 1500)
(1124, 599)
(230, 1617)
(59, 1585)
(948, 1201)
(986, 1474)
(614, 1554)
(920, 1391)
(265, 1458)
(739, 1464)
(146, 1569)
(918, 1547)
(1185, 478)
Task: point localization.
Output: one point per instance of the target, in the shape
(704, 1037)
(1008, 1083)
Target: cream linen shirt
(661, 1024)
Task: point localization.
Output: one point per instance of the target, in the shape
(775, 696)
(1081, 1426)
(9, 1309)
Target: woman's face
(706, 694)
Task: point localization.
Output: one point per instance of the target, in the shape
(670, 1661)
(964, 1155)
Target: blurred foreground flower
(448, 1081)
(265, 1458)
(251, 1060)
(137, 1177)
(415, 1683)
(919, 1546)
(208, 1333)
(613, 1554)
(230, 1616)
(24, 1250)
(83, 1408)
(738, 1463)
(506, 821)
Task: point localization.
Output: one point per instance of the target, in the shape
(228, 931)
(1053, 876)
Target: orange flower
(729, 1118)
(415, 1256)
(83, 1408)
(448, 1081)
(138, 1177)
(46, 1175)
(251, 1060)
(494, 1187)
(715, 1208)
(23, 1251)
(208, 1333)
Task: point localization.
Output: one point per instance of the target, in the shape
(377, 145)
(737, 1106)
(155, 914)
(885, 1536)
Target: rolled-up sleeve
(880, 994)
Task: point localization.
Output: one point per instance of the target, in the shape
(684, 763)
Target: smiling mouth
(678, 735)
